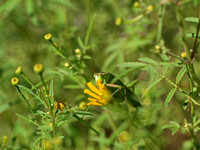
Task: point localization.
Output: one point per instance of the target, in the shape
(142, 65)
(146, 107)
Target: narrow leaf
(133, 64)
(148, 60)
(169, 96)
(192, 19)
(26, 119)
(180, 74)
(85, 123)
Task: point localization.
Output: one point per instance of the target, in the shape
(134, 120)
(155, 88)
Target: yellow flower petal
(91, 94)
(99, 85)
(93, 88)
(93, 104)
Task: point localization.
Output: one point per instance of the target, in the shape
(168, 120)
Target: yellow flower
(118, 21)
(60, 105)
(19, 70)
(48, 36)
(100, 94)
(184, 55)
(38, 68)
(83, 105)
(15, 81)
(123, 136)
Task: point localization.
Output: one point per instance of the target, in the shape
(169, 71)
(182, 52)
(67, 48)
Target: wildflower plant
(123, 75)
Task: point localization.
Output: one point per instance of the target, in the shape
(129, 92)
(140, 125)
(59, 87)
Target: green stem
(25, 100)
(160, 22)
(175, 56)
(111, 121)
(45, 86)
(29, 81)
(181, 28)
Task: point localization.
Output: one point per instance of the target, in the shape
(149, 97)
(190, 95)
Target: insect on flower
(107, 87)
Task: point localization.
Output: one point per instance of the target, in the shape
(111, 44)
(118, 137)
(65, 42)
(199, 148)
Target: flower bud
(123, 136)
(83, 105)
(60, 105)
(77, 51)
(66, 65)
(38, 68)
(19, 70)
(118, 21)
(48, 36)
(136, 4)
(15, 81)
(184, 55)
(149, 9)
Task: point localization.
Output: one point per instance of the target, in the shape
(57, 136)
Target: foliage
(145, 51)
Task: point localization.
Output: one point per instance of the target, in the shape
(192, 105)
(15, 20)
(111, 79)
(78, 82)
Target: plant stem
(181, 28)
(29, 81)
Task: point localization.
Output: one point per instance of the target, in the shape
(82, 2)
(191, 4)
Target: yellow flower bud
(66, 65)
(118, 21)
(48, 36)
(38, 68)
(50, 124)
(77, 51)
(57, 141)
(60, 105)
(14, 81)
(149, 9)
(48, 144)
(183, 55)
(83, 105)
(4, 141)
(136, 4)
(157, 47)
(19, 70)
(123, 136)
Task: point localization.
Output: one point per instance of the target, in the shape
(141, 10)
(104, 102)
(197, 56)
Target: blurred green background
(23, 25)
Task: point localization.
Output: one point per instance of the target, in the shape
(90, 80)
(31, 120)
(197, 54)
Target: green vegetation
(103, 75)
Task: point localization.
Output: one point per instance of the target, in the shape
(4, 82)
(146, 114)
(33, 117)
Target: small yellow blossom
(19, 70)
(66, 65)
(51, 125)
(118, 21)
(183, 55)
(149, 9)
(4, 141)
(48, 144)
(123, 136)
(48, 36)
(83, 105)
(60, 105)
(38, 68)
(100, 94)
(77, 51)
(14, 81)
(136, 4)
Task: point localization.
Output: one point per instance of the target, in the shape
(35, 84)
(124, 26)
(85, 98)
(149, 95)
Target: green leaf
(133, 64)
(87, 37)
(80, 42)
(152, 85)
(192, 35)
(148, 60)
(169, 96)
(45, 127)
(33, 94)
(180, 74)
(26, 119)
(185, 104)
(174, 125)
(192, 19)
(51, 92)
(73, 86)
(85, 123)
